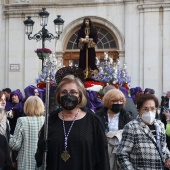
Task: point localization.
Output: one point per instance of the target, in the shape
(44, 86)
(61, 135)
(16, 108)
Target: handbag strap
(156, 147)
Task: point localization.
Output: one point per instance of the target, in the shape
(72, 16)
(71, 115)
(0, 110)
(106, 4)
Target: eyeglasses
(72, 92)
(153, 109)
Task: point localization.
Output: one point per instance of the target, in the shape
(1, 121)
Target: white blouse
(113, 123)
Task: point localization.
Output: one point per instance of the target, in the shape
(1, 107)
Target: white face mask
(148, 117)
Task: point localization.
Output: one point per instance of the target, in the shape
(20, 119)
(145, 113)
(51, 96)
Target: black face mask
(69, 102)
(116, 108)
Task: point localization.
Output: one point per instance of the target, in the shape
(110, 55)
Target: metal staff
(50, 64)
(46, 115)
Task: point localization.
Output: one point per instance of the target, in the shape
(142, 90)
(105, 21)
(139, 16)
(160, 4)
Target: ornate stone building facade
(135, 31)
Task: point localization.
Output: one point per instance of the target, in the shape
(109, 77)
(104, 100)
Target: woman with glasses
(143, 144)
(76, 140)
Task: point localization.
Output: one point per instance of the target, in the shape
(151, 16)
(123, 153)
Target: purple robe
(93, 102)
(29, 91)
(17, 112)
(91, 51)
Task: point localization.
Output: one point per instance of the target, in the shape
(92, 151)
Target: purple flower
(108, 74)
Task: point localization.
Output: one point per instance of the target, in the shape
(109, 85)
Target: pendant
(65, 155)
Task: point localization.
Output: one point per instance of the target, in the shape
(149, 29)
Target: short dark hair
(152, 91)
(8, 90)
(145, 97)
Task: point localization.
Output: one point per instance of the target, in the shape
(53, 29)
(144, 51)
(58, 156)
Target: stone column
(166, 49)
(152, 54)
(141, 46)
(121, 57)
(132, 42)
(59, 56)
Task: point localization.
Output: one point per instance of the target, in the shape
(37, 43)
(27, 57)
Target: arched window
(105, 40)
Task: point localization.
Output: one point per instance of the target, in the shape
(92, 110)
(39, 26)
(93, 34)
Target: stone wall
(141, 26)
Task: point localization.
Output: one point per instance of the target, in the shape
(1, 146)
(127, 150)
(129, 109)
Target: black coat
(87, 144)
(5, 161)
(124, 118)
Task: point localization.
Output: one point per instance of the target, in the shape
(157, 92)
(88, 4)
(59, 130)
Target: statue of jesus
(86, 41)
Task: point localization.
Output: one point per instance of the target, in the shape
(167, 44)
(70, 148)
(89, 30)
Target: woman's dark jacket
(5, 160)
(124, 118)
(87, 144)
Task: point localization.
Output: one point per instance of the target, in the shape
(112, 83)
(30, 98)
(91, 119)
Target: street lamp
(44, 34)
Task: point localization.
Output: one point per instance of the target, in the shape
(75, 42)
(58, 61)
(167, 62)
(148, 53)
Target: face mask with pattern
(69, 102)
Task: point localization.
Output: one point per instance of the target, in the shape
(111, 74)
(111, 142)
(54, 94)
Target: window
(105, 40)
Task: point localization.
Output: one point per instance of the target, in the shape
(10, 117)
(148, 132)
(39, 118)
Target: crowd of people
(124, 132)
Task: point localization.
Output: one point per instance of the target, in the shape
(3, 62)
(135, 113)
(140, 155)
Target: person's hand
(81, 39)
(86, 41)
(167, 163)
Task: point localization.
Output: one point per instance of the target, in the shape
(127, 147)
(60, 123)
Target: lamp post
(44, 34)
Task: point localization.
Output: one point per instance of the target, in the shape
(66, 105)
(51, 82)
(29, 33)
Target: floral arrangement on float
(49, 67)
(110, 74)
(113, 75)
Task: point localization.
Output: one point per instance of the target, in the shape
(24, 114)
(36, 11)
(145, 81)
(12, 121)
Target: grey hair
(107, 88)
